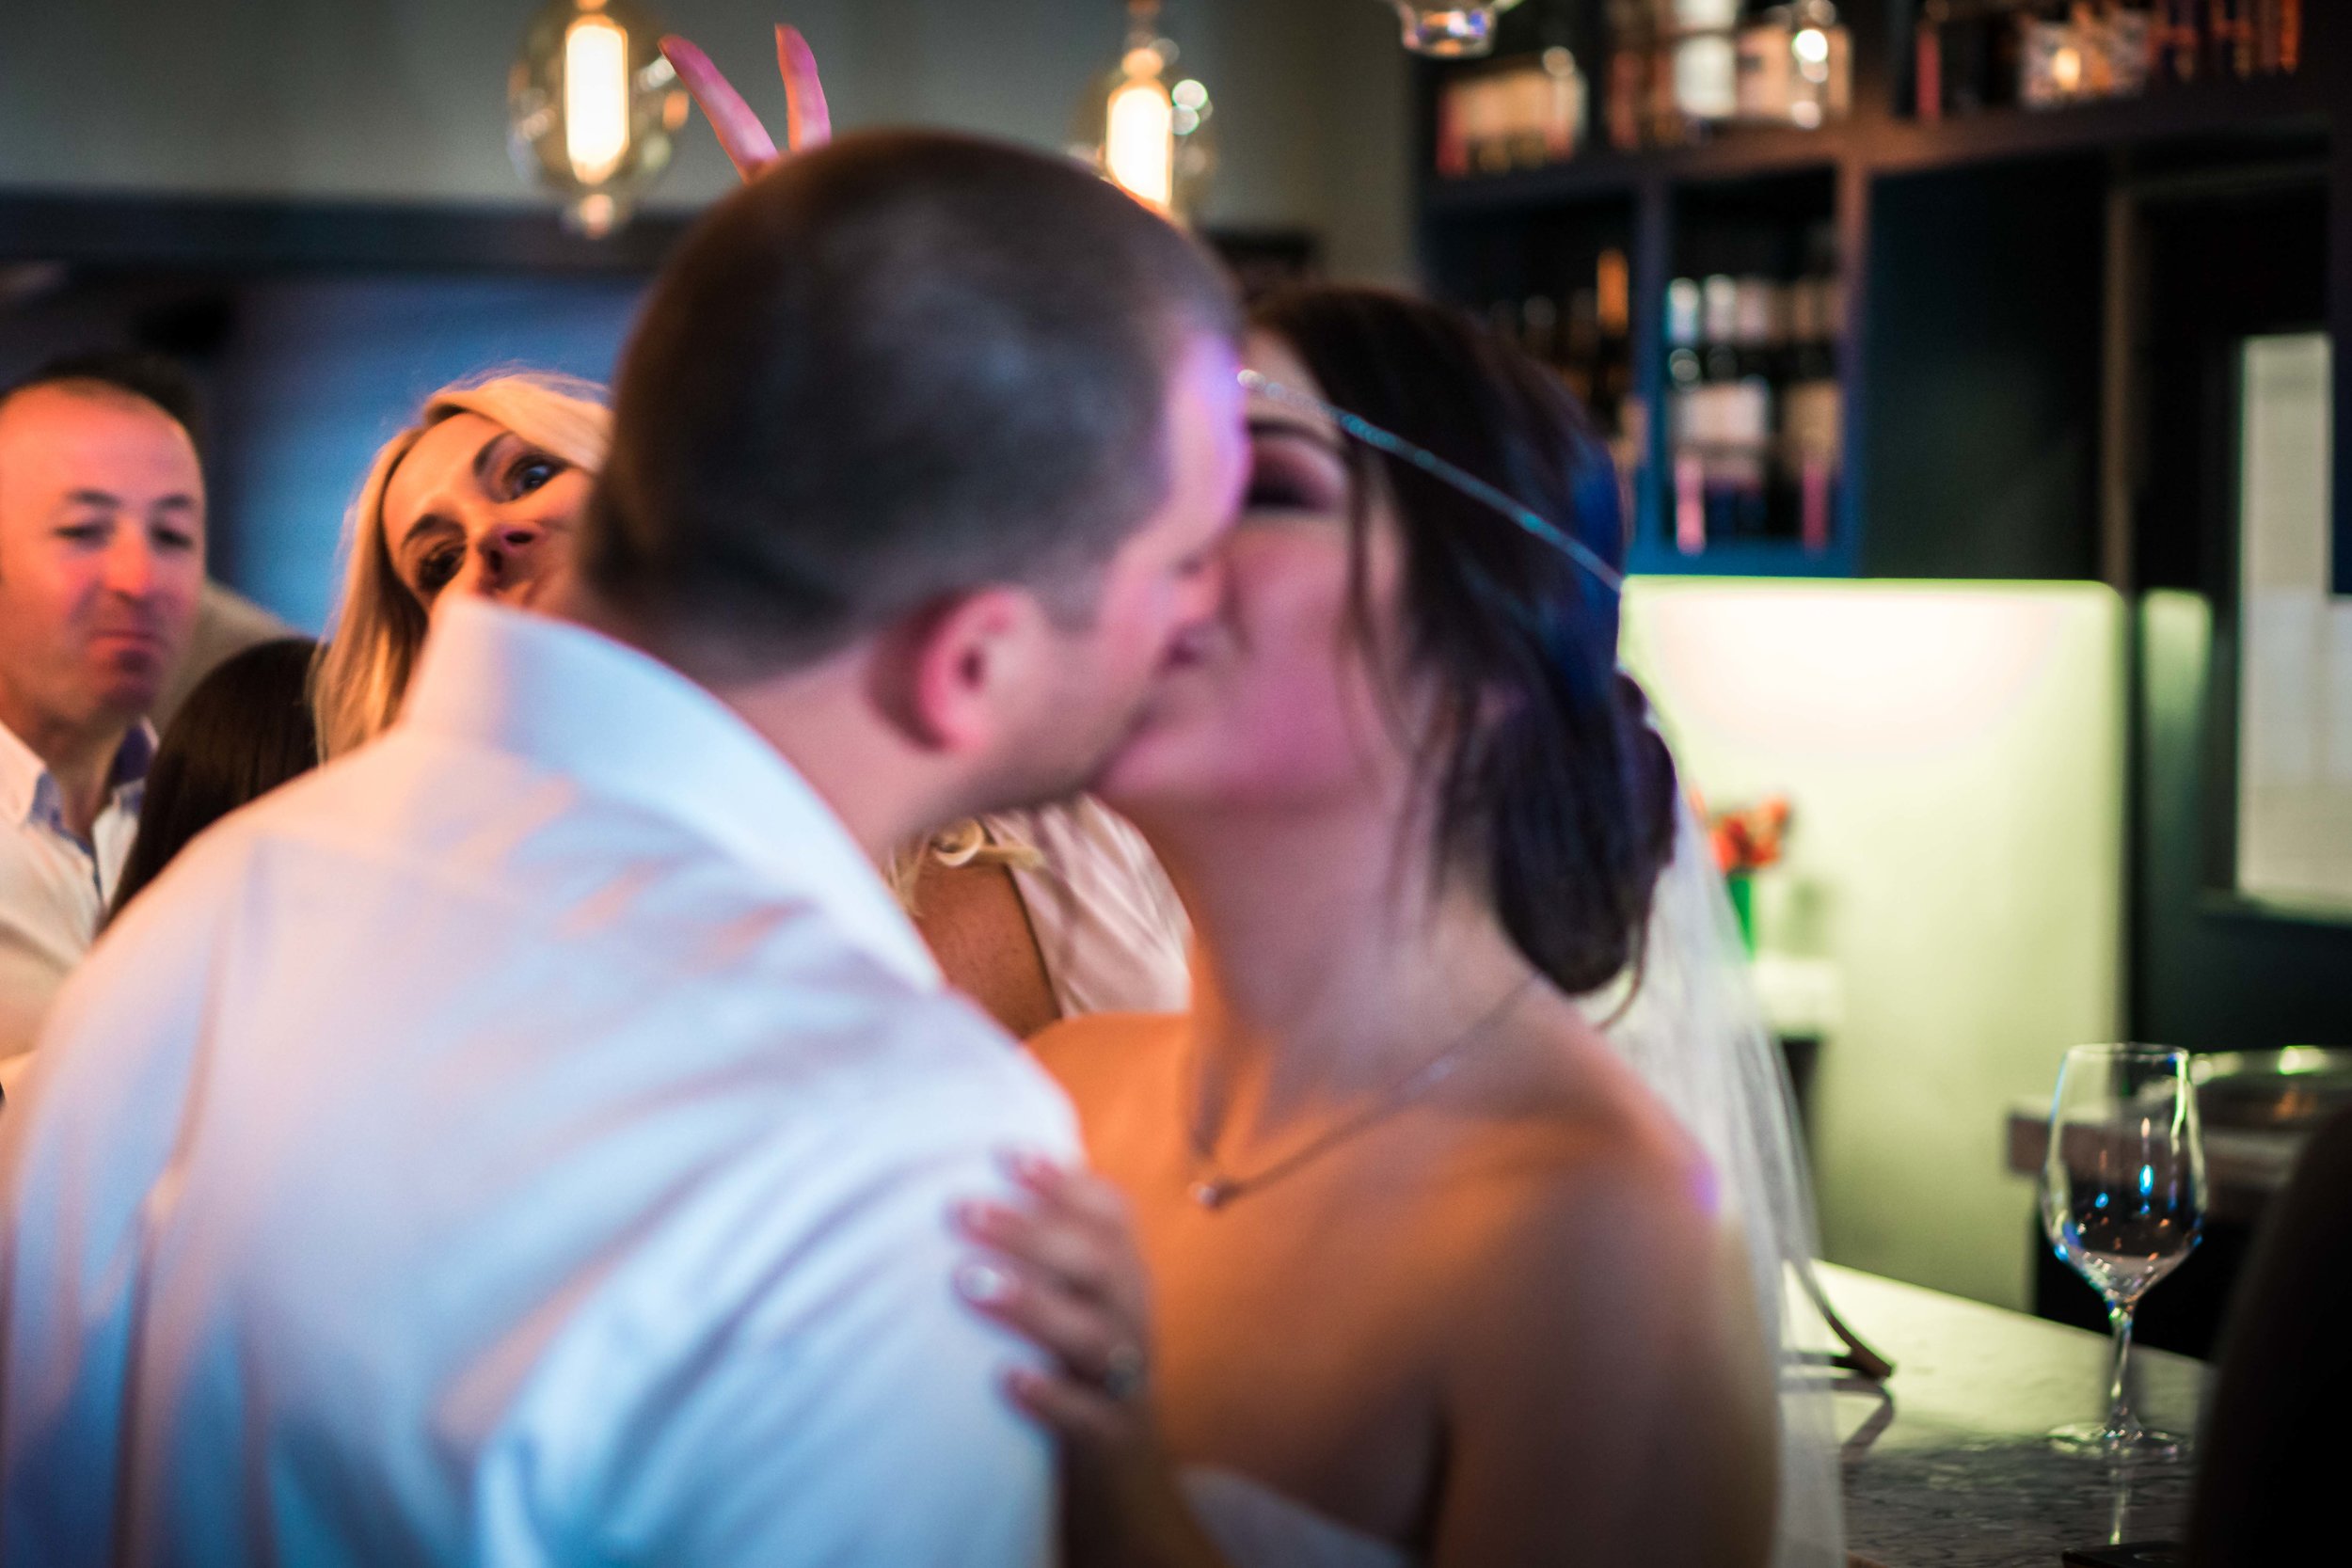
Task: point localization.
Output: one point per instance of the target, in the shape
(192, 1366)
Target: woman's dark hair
(1550, 784)
(243, 730)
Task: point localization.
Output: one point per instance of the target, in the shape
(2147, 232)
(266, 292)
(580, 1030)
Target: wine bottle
(2183, 45)
(1795, 65)
(1453, 149)
(2229, 38)
(1813, 408)
(1705, 66)
(1632, 66)
(1767, 75)
(1927, 60)
(1579, 354)
(1686, 413)
(1613, 314)
(1748, 407)
(1725, 417)
(1618, 402)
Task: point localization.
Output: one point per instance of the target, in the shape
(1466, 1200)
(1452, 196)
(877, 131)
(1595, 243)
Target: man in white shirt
(102, 558)
(532, 1139)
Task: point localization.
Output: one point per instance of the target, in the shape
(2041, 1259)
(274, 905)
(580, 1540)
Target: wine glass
(2123, 1201)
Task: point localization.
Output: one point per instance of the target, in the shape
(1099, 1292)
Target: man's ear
(950, 675)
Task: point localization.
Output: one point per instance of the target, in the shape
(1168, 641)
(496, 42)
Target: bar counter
(1947, 1465)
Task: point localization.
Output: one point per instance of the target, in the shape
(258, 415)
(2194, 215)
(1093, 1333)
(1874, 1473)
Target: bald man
(101, 559)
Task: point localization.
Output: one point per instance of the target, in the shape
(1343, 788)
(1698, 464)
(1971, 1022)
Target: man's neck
(820, 720)
(819, 725)
(80, 757)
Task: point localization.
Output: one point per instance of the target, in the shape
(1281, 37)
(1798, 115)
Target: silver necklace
(1213, 1186)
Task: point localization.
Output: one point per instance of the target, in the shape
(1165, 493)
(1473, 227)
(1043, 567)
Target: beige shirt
(1109, 928)
(54, 887)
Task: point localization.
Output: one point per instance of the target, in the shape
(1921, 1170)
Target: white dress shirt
(529, 1141)
(54, 886)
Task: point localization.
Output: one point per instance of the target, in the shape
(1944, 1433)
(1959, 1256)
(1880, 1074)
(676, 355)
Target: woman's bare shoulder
(1589, 1174)
(1583, 1129)
(1602, 1326)
(1089, 1055)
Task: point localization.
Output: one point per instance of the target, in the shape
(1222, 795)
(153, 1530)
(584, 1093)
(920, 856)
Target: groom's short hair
(899, 367)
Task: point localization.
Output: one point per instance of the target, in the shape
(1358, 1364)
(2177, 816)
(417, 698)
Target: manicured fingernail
(1030, 1169)
(983, 1283)
(979, 1217)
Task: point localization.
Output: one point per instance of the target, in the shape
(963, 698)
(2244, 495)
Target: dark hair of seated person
(243, 730)
(2271, 1455)
(152, 377)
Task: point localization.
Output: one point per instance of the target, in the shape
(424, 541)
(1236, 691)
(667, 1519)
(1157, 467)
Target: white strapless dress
(1257, 1527)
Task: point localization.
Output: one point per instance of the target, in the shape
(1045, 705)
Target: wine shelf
(1979, 261)
(1745, 155)
(2281, 109)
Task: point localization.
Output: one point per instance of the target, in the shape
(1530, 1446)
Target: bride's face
(1282, 703)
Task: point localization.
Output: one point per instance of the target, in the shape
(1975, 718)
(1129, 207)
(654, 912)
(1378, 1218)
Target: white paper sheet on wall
(2294, 671)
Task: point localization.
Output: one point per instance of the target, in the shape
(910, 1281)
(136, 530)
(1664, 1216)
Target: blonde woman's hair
(970, 842)
(362, 670)
(371, 650)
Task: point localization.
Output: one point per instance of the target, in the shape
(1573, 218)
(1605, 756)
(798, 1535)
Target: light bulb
(1450, 32)
(2066, 69)
(595, 97)
(592, 107)
(1139, 137)
(1148, 132)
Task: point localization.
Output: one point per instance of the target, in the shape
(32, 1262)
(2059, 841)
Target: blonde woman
(1036, 915)
(479, 496)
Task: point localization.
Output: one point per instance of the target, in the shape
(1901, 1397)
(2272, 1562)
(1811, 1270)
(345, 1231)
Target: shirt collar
(28, 791)
(625, 725)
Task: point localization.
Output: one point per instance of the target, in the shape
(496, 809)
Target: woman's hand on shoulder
(808, 121)
(1062, 1270)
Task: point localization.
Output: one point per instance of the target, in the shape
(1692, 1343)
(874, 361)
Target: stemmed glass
(2123, 1201)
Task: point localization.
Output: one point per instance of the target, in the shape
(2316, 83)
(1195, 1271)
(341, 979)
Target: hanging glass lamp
(592, 107)
(1147, 129)
(1450, 32)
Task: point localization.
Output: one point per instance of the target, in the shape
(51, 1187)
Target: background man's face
(101, 556)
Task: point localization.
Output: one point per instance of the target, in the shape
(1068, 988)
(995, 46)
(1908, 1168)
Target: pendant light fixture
(1146, 128)
(592, 107)
(1450, 32)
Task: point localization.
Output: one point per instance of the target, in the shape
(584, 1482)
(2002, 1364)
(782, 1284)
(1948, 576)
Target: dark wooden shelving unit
(1980, 265)
(2040, 384)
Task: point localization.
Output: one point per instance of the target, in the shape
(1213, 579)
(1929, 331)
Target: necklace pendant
(1213, 1193)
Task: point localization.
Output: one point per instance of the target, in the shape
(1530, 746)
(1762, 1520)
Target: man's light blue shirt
(528, 1141)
